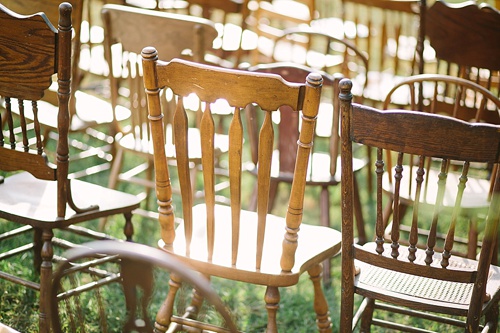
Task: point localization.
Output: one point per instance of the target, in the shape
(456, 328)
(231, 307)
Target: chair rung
(198, 325)
(89, 286)
(419, 314)
(399, 327)
(16, 251)
(82, 231)
(20, 281)
(15, 232)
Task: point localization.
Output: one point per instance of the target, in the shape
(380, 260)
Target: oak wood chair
(36, 190)
(458, 98)
(128, 295)
(93, 123)
(228, 241)
(125, 35)
(418, 280)
(323, 170)
(469, 50)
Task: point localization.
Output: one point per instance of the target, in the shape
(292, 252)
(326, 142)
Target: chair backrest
(324, 52)
(238, 89)
(33, 51)
(126, 34)
(426, 136)
(51, 9)
(388, 32)
(124, 301)
(471, 50)
(327, 125)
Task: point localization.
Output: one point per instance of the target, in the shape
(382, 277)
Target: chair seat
(429, 294)
(221, 143)
(475, 194)
(28, 200)
(327, 243)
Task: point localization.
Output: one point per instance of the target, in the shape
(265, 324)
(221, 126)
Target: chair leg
(272, 299)
(324, 204)
(128, 230)
(366, 317)
(320, 304)
(492, 318)
(164, 315)
(37, 249)
(47, 254)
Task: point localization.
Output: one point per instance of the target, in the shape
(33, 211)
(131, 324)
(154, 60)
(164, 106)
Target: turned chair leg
(366, 317)
(272, 299)
(320, 304)
(47, 253)
(164, 315)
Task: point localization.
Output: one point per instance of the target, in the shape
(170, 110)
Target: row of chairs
(207, 126)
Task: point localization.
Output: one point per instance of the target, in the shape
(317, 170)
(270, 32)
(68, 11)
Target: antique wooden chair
(129, 294)
(323, 171)
(228, 241)
(125, 35)
(93, 123)
(388, 33)
(36, 190)
(419, 280)
(458, 98)
(459, 47)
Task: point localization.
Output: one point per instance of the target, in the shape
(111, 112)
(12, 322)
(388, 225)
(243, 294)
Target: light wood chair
(127, 295)
(93, 123)
(323, 170)
(36, 190)
(469, 50)
(418, 280)
(458, 98)
(228, 241)
(126, 33)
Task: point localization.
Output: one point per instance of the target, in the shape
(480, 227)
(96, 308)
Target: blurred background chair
(419, 280)
(322, 171)
(461, 99)
(388, 34)
(228, 241)
(126, 33)
(128, 295)
(469, 51)
(36, 191)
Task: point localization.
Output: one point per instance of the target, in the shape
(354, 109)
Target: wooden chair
(93, 123)
(388, 33)
(125, 301)
(36, 190)
(269, 18)
(418, 280)
(458, 98)
(125, 35)
(459, 47)
(228, 241)
(322, 171)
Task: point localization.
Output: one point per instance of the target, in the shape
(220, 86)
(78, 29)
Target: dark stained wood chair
(469, 51)
(228, 241)
(458, 98)
(93, 123)
(126, 33)
(418, 280)
(127, 295)
(323, 170)
(36, 190)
